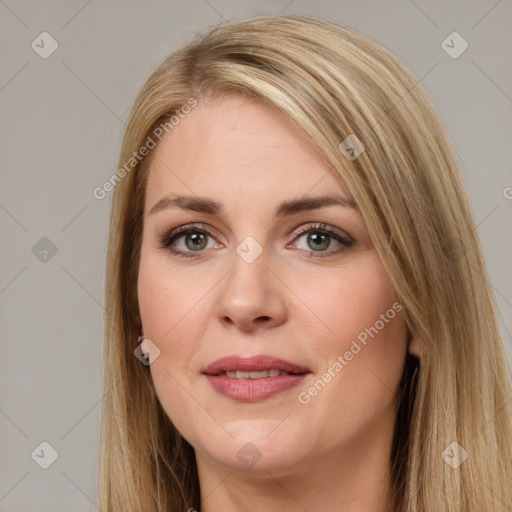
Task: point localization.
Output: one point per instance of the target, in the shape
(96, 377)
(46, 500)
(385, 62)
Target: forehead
(233, 147)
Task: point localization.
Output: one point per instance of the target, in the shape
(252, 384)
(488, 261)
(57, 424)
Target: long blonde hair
(331, 82)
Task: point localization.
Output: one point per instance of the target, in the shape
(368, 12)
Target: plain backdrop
(61, 127)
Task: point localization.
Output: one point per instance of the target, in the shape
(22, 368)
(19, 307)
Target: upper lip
(252, 363)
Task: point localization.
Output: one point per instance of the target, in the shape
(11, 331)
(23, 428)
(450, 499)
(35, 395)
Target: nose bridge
(247, 281)
(249, 295)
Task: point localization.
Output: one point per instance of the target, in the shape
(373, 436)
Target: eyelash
(167, 239)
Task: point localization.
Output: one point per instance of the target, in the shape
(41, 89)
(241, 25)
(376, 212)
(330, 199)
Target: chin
(258, 453)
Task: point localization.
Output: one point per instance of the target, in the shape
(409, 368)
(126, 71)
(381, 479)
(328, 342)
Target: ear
(414, 346)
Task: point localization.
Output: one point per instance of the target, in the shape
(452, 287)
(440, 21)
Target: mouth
(253, 379)
(255, 375)
(254, 367)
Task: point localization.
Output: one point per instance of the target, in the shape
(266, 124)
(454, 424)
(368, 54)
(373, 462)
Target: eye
(186, 240)
(321, 239)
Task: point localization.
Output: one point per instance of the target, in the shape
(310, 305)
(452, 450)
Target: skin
(307, 310)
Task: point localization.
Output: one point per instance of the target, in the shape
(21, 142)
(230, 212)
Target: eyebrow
(206, 205)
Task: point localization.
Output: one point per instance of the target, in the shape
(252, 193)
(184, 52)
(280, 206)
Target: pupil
(198, 241)
(320, 240)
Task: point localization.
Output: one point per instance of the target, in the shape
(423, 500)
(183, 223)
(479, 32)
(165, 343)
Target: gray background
(61, 128)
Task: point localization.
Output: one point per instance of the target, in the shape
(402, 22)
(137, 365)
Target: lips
(253, 379)
(258, 363)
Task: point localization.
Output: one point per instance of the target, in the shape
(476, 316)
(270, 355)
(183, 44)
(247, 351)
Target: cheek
(349, 300)
(166, 295)
(169, 306)
(360, 321)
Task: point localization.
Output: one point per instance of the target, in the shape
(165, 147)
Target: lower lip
(253, 390)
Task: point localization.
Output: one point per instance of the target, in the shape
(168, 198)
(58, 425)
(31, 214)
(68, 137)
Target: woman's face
(264, 270)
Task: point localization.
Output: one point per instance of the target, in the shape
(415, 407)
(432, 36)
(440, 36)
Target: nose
(251, 296)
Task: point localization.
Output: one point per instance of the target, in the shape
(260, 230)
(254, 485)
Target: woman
(299, 315)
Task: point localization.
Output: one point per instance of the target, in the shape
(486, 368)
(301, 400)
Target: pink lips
(254, 363)
(253, 390)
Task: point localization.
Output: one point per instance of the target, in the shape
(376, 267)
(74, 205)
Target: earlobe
(414, 347)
